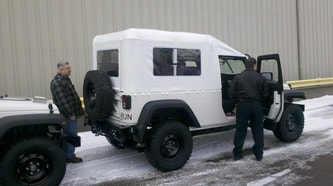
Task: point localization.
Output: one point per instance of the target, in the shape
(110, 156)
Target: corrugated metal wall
(316, 38)
(35, 34)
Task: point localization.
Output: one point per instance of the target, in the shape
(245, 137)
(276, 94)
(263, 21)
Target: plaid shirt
(65, 97)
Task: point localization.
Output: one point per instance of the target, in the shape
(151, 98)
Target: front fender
(289, 95)
(9, 122)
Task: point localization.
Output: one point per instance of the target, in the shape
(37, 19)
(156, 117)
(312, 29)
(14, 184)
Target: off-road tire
(277, 133)
(291, 125)
(98, 95)
(160, 138)
(38, 156)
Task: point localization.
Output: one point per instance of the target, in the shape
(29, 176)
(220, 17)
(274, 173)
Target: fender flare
(9, 122)
(291, 94)
(150, 107)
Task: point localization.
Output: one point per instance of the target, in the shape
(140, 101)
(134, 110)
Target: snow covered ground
(211, 161)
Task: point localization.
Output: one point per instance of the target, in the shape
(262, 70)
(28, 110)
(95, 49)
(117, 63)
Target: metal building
(35, 34)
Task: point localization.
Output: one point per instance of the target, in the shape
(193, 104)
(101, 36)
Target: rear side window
(176, 62)
(163, 61)
(108, 61)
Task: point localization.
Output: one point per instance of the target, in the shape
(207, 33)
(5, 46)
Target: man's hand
(72, 117)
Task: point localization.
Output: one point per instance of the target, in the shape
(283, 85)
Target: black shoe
(237, 157)
(258, 158)
(74, 160)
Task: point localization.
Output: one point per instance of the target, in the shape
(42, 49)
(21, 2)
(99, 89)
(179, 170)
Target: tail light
(126, 101)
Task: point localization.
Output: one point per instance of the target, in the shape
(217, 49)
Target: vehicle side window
(163, 61)
(270, 66)
(176, 62)
(108, 61)
(231, 66)
(188, 62)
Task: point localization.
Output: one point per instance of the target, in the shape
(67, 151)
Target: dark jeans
(249, 111)
(72, 128)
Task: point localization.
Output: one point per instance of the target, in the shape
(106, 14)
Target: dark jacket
(249, 85)
(65, 97)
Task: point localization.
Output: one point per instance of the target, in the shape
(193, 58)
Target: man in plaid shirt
(68, 102)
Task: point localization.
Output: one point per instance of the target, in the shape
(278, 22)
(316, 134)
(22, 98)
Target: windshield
(231, 65)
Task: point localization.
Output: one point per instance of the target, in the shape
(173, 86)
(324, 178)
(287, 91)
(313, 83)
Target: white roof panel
(150, 35)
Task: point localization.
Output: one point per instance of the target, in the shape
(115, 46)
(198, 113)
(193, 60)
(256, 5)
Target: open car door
(270, 67)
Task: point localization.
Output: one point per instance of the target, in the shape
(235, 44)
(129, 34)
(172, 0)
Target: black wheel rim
(33, 168)
(91, 95)
(170, 146)
(292, 123)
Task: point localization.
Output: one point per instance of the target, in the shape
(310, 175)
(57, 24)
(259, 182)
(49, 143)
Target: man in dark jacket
(249, 89)
(68, 103)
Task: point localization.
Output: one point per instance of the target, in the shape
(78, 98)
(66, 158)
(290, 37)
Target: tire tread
(6, 157)
(153, 136)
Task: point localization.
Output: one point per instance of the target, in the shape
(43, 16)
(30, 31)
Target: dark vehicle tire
(98, 94)
(169, 146)
(277, 133)
(34, 161)
(291, 125)
(118, 144)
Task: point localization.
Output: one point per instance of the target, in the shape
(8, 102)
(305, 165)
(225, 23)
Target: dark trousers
(249, 111)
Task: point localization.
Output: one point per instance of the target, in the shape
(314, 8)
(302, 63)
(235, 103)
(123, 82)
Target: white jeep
(159, 88)
(33, 140)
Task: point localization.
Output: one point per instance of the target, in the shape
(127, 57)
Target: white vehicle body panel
(202, 93)
(275, 107)
(22, 106)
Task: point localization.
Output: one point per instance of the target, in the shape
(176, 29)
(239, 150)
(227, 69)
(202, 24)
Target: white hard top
(136, 59)
(165, 36)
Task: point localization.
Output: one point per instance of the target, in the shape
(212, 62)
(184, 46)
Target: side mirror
(267, 75)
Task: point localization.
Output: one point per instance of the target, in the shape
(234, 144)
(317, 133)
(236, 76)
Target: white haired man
(68, 102)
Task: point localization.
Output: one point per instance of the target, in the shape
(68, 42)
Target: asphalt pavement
(318, 172)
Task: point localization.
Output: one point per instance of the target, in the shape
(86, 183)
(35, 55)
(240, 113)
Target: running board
(212, 130)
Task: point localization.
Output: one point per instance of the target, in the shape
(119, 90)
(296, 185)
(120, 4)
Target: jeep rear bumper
(108, 129)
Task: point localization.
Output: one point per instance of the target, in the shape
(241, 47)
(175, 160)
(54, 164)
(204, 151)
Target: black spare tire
(98, 94)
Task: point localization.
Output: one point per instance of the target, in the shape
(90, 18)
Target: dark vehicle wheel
(98, 94)
(116, 143)
(34, 161)
(169, 146)
(277, 133)
(291, 126)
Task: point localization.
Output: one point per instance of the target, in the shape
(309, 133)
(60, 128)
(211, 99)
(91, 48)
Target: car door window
(270, 66)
